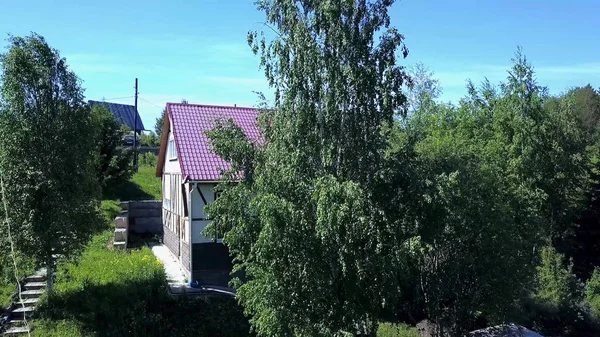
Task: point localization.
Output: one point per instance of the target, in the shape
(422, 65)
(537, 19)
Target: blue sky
(197, 49)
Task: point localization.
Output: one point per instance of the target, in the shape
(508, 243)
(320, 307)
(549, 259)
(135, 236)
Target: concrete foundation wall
(145, 217)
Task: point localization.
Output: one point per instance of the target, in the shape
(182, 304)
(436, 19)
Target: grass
(123, 293)
(144, 185)
(397, 330)
(7, 288)
(8, 285)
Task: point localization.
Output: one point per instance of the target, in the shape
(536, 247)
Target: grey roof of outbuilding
(123, 113)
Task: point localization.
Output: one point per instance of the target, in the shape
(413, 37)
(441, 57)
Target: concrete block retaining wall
(140, 217)
(145, 217)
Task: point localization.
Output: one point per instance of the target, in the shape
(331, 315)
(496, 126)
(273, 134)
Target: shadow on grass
(126, 191)
(140, 309)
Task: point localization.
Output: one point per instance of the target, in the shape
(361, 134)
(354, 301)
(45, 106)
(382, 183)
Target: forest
(372, 200)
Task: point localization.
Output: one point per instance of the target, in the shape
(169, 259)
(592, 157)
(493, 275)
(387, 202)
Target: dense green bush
(592, 293)
(114, 164)
(148, 159)
(557, 306)
(149, 139)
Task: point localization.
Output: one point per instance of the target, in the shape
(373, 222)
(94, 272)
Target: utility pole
(135, 117)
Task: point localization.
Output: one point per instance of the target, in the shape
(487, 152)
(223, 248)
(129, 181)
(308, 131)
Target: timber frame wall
(175, 220)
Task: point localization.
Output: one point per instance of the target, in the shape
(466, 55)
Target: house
(189, 172)
(124, 113)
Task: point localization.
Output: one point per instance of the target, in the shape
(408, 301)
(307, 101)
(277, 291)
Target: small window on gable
(171, 150)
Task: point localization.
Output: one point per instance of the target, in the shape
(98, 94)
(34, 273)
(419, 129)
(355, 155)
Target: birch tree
(46, 153)
(317, 249)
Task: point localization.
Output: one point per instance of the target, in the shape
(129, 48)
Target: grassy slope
(116, 293)
(397, 330)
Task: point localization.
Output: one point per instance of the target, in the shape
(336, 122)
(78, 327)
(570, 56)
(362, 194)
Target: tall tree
(586, 102)
(159, 123)
(424, 87)
(46, 153)
(318, 250)
(113, 162)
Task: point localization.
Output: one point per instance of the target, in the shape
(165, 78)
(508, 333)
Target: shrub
(148, 159)
(592, 293)
(149, 140)
(557, 285)
(557, 306)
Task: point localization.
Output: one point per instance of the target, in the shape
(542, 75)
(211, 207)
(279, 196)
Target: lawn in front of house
(110, 292)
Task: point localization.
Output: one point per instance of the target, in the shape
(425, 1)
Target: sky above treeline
(197, 50)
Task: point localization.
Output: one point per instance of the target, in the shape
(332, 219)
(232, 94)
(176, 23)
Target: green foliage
(592, 293)
(110, 292)
(46, 152)
(8, 283)
(114, 163)
(586, 102)
(557, 307)
(424, 87)
(149, 140)
(556, 285)
(126, 129)
(115, 293)
(148, 159)
(110, 209)
(159, 124)
(144, 185)
(397, 330)
(304, 225)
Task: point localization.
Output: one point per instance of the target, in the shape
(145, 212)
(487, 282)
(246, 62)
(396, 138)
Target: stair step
(35, 285)
(120, 244)
(17, 330)
(16, 322)
(121, 222)
(120, 234)
(23, 310)
(35, 278)
(29, 302)
(31, 293)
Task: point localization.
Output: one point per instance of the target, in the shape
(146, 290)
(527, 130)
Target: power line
(108, 99)
(147, 101)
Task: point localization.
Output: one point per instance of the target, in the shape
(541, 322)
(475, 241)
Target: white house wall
(171, 166)
(199, 218)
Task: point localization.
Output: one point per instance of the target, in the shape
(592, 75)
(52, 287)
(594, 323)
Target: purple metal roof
(190, 123)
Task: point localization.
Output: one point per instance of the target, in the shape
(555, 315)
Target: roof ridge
(213, 106)
(107, 102)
